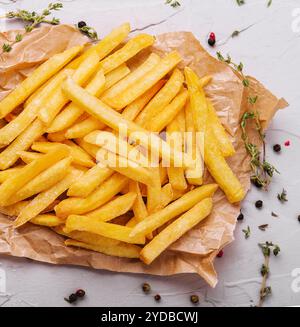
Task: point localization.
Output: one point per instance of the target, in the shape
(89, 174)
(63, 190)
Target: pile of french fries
(58, 171)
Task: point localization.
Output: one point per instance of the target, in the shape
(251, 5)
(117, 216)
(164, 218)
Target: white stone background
(270, 51)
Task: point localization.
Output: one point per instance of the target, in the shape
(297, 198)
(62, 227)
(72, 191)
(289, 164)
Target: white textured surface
(269, 50)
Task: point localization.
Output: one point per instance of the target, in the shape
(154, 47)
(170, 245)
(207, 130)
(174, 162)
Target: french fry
(9, 132)
(57, 137)
(71, 113)
(204, 81)
(157, 73)
(125, 167)
(175, 230)
(162, 99)
(47, 220)
(50, 110)
(115, 120)
(44, 199)
(167, 195)
(4, 175)
(86, 184)
(163, 173)
(115, 76)
(116, 207)
(15, 209)
(36, 79)
(175, 131)
(220, 171)
(176, 208)
(28, 157)
(139, 208)
(13, 184)
(116, 232)
(121, 249)
(133, 77)
(80, 157)
(98, 197)
(165, 117)
(220, 134)
(129, 50)
(106, 45)
(10, 155)
(154, 202)
(193, 175)
(83, 128)
(45, 180)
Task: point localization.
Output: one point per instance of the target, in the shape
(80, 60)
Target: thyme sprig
(267, 248)
(247, 232)
(242, 2)
(173, 3)
(89, 31)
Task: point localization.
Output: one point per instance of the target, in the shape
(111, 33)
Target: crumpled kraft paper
(195, 251)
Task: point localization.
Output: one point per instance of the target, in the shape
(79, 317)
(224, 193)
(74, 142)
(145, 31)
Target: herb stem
(264, 282)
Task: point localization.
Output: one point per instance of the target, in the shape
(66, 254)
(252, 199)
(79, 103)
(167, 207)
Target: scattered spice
(265, 269)
(247, 232)
(87, 30)
(259, 204)
(277, 147)
(80, 293)
(263, 227)
(212, 39)
(72, 298)
(287, 143)
(220, 254)
(282, 197)
(240, 216)
(146, 288)
(81, 24)
(299, 218)
(173, 3)
(273, 214)
(195, 299)
(157, 297)
(240, 2)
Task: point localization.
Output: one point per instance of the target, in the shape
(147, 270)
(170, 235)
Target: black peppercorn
(258, 204)
(195, 299)
(157, 297)
(299, 218)
(277, 147)
(211, 42)
(240, 217)
(80, 293)
(72, 298)
(81, 24)
(146, 288)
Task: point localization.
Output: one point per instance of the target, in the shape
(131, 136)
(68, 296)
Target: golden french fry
(9, 132)
(204, 81)
(193, 175)
(116, 207)
(10, 155)
(116, 232)
(115, 76)
(36, 79)
(44, 199)
(133, 77)
(157, 73)
(220, 170)
(139, 207)
(83, 128)
(50, 110)
(80, 157)
(15, 209)
(13, 184)
(98, 197)
(163, 173)
(162, 99)
(115, 120)
(106, 45)
(165, 117)
(175, 138)
(154, 202)
(45, 180)
(57, 137)
(129, 50)
(28, 157)
(175, 230)
(89, 181)
(71, 113)
(220, 134)
(4, 175)
(167, 195)
(121, 249)
(47, 220)
(174, 209)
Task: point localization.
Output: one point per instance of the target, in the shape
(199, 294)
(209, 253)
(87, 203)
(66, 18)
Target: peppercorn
(220, 254)
(258, 204)
(194, 299)
(80, 293)
(146, 288)
(299, 218)
(81, 24)
(157, 297)
(212, 36)
(211, 42)
(240, 217)
(72, 298)
(277, 147)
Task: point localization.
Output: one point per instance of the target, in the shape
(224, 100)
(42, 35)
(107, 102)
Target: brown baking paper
(195, 251)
